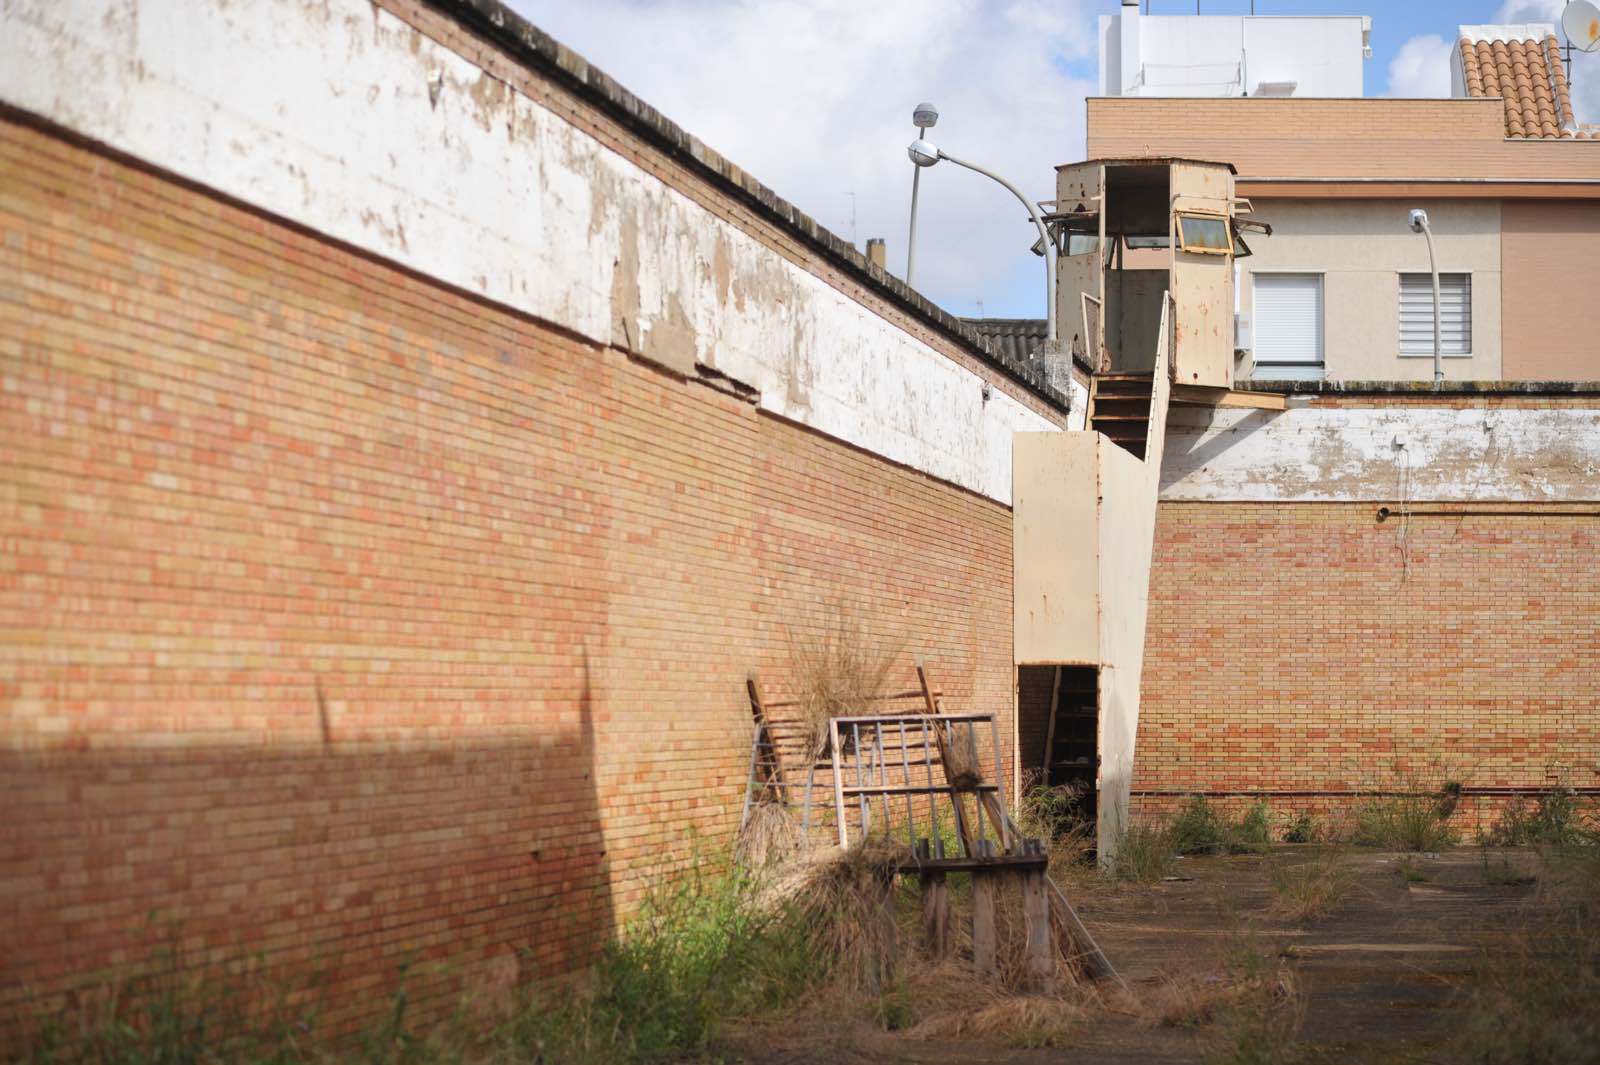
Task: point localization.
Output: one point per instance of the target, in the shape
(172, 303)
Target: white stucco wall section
(340, 117)
(1381, 454)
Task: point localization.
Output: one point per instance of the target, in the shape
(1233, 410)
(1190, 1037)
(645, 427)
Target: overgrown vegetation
(703, 947)
(1555, 819)
(1303, 829)
(1199, 829)
(840, 666)
(1409, 810)
(1055, 816)
(1144, 854)
(1251, 1003)
(1306, 890)
(1257, 1027)
(173, 1012)
(1535, 997)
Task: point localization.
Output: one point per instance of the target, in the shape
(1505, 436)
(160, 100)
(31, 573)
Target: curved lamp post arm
(1044, 235)
(1433, 268)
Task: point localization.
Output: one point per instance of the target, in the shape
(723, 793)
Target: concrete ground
(1379, 979)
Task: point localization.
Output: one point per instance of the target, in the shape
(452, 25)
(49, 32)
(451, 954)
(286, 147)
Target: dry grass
(840, 666)
(1252, 1006)
(1304, 891)
(1054, 815)
(1408, 807)
(770, 835)
(1535, 993)
(979, 1010)
(835, 901)
(958, 754)
(1184, 998)
(1144, 854)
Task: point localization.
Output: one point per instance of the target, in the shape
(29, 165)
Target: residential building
(1342, 289)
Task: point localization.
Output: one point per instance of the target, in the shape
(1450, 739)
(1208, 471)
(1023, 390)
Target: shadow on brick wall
(470, 865)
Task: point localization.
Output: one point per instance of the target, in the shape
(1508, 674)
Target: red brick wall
(345, 616)
(1329, 138)
(1291, 651)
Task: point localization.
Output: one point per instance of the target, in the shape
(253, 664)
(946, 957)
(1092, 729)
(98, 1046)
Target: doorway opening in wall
(1058, 725)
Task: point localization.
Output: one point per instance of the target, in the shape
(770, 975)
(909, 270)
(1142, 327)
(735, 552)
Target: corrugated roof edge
(538, 50)
(1448, 388)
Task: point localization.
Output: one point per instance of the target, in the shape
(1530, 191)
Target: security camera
(1418, 220)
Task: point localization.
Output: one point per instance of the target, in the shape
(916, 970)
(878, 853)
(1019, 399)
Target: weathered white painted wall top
(1342, 454)
(341, 117)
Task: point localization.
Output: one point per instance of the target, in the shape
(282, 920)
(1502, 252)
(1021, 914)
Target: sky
(814, 98)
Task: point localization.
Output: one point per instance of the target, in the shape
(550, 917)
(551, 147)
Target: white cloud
(1420, 69)
(1585, 67)
(815, 100)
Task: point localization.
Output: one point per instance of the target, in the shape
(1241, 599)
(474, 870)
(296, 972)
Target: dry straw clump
(770, 835)
(840, 667)
(836, 899)
(951, 1002)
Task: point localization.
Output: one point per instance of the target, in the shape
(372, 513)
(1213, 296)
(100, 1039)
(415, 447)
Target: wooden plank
(1202, 396)
(838, 784)
(928, 700)
(983, 936)
(989, 801)
(912, 718)
(962, 828)
(935, 914)
(1001, 862)
(1096, 965)
(908, 694)
(853, 790)
(1040, 953)
(888, 939)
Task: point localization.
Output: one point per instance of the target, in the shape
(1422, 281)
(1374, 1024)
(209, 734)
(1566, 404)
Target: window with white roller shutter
(1288, 325)
(1416, 314)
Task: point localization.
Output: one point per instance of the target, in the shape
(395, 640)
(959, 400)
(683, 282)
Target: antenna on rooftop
(1580, 24)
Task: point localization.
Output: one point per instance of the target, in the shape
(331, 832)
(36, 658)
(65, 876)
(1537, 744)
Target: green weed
(1144, 854)
(1555, 820)
(1199, 829)
(1303, 829)
(1311, 889)
(1407, 823)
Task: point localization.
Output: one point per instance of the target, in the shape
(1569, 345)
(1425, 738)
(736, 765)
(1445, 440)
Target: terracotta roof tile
(1528, 76)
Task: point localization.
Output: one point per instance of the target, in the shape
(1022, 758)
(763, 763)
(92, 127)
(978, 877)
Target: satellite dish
(1581, 23)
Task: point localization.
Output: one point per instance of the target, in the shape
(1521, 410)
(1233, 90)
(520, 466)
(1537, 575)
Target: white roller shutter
(1416, 314)
(1288, 318)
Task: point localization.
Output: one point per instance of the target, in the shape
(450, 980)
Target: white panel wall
(1323, 56)
(1226, 55)
(342, 118)
(1380, 454)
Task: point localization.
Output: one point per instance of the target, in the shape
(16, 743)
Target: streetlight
(925, 116)
(1419, 224)
(924, 154)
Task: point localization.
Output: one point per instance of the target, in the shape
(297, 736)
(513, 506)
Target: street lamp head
(925, 116)
(922, 153)
(1418, 220)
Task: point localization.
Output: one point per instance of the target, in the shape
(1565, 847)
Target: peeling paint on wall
(1342, 454)
(343, 118)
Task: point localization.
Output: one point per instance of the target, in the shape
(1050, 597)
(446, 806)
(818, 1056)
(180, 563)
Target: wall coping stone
(538, 51)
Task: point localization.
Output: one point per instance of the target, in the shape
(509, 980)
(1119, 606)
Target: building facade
(1342, 290)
